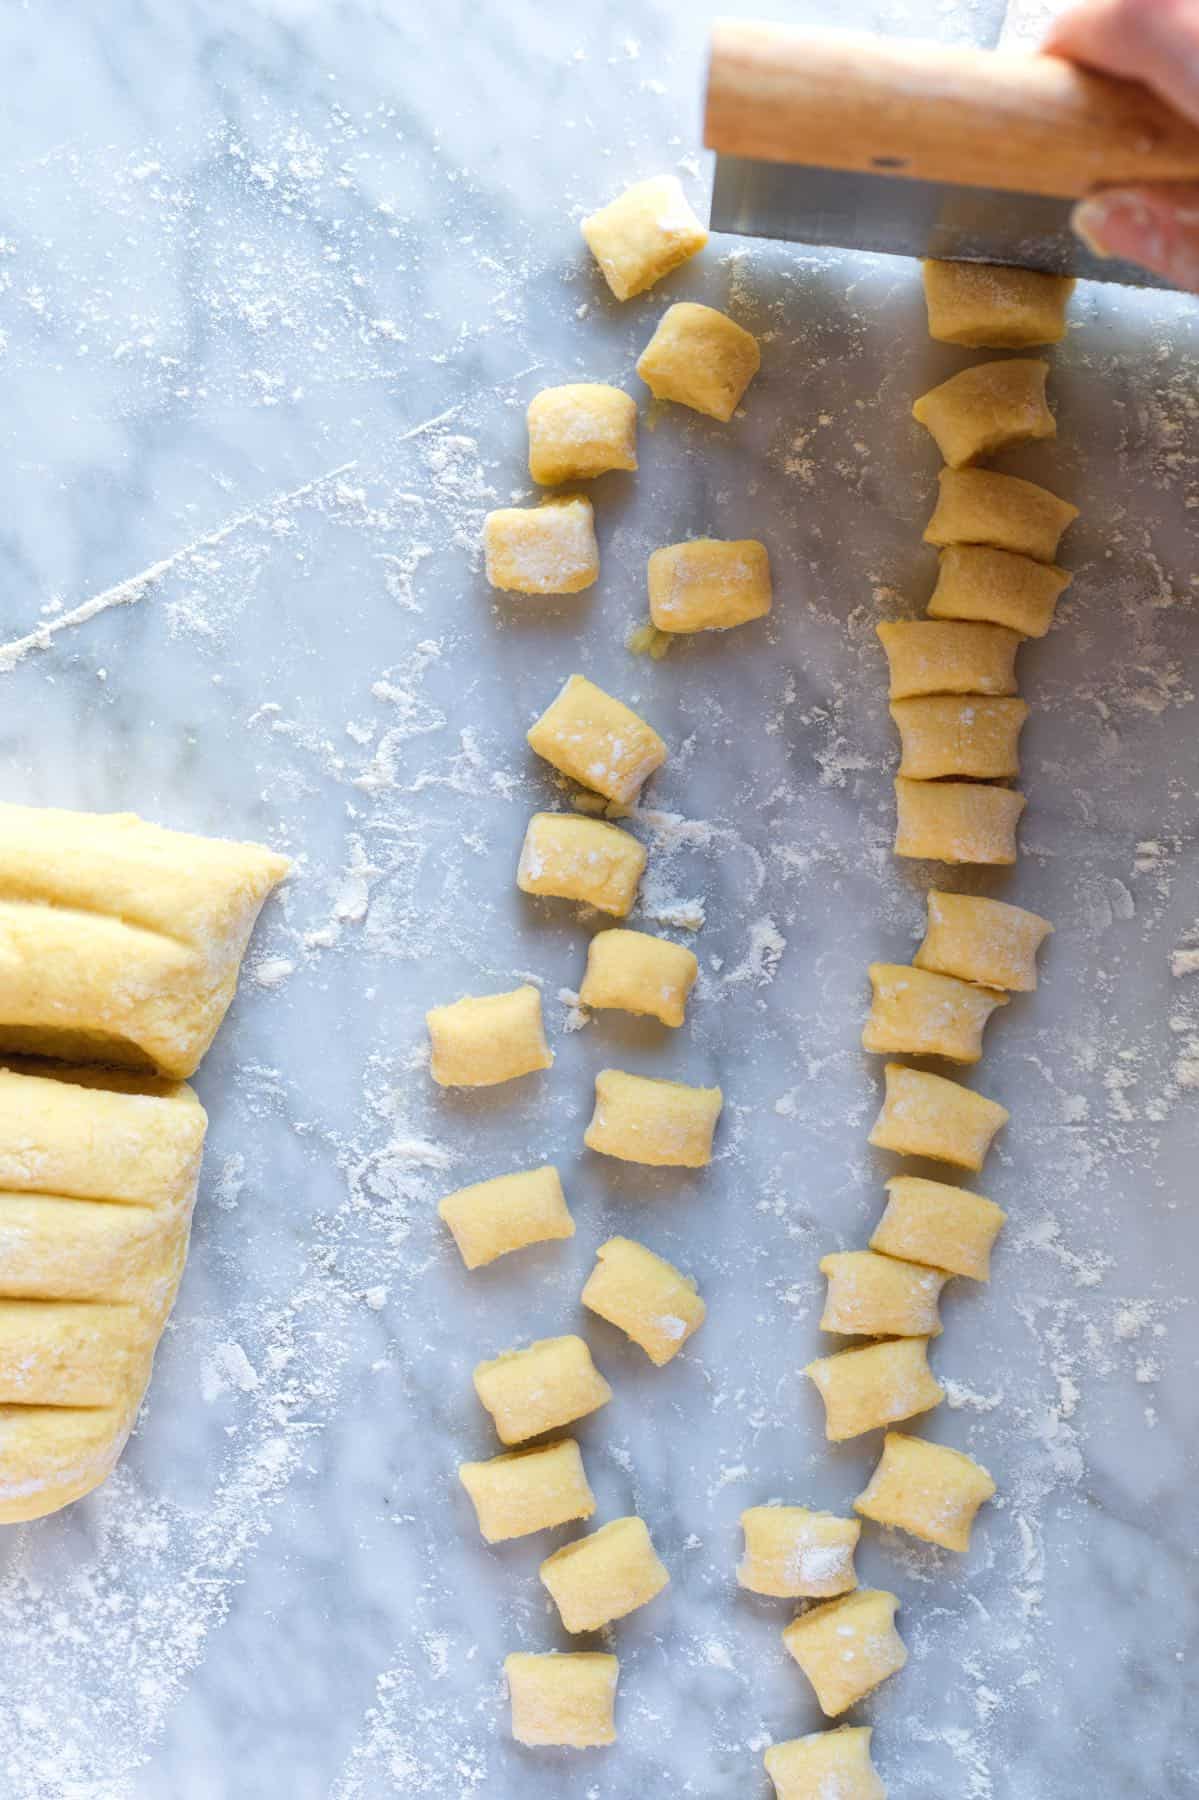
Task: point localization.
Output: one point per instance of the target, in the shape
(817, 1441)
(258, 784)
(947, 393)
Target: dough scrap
(700, 358)
(928, 656)
(989, 306)
(709, 584)
(967, 735)
(877, 1384)
(825, 1765)
(926, 1115)
(847, 1647)
(528, 1490)
(636, 972)
(878, 1296)
(666, 1124)
(547, 1384)
(927, 1490)
(794, 1554)
(544, 549)
(572, 858)
(979, 506)
(999, 587)
(986, 408)
(916, 1013)
(604, 1576)
(97, 1185)
(120, 941)
(565, 1698)
(509, 1212)
(987, 941)
(933, 1222)
(644, 1296)
(580, 430)
(643, 234)
(597, 741)
(485, 1039)
(956, 821)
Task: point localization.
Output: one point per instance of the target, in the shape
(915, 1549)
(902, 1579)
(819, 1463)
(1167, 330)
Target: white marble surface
(248, 245)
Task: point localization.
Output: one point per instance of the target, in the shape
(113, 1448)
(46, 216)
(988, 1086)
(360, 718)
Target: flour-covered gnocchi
(564, 1698)
(700, 358)
(488, 1038)
(645, 1297)
(709, 584)
(580, 430)
(936, 1223)
(547, 1384)
(986, 408)
(878, 1384)
(569, 857)
(598, 741)
(528, 1490)
(509, 1212)
(999, 587)
(989, 306)
(987, 941)
(927, 1490)
(933, 656)
(792, 1553)
(643, 234)
(546, 549)
(957, 821)
(604, 1576)
(825, 1765)
(635, 972)
(979, 506)
(926, 1115)
(664, 1123)
(916, 1013)
(966, 735)
(847, 1647)
(879, 1296)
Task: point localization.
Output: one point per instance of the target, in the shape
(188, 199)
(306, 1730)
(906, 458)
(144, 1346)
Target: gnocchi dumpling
(547, 1384)
(928, 656)
(700, 358)
(509, 1212)
(878, 1296)
(604, 1576)
(979, 506)
(643, 234)
(998, 587)
(825, 1765)
(580, 430)
(987, 407)
(926, 1115)
(565, 1698)
(487, 1038)
(989, 306)
(709, 584)
(666, 1124)
(794, 1554)
(545, 549)
(927, 1490)
(916, 1013)
(528, 1490)
(645, 1297)
(598, 741)
(966, 735)
(635, 972)
(847, 1647)
(957, 821)
(878, 1384)
(934, 1222)
(988, 941)
(569, 857)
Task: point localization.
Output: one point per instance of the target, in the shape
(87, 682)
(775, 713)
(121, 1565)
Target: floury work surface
(277, 286)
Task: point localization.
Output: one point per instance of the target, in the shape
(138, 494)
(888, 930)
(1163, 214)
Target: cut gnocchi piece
(604, 1576)
(877, 1296)
(666, 1124)
(572, 858)
(998, 587)
(598, 741)
(916, 1013)
(979, 506)
(709, 584)
(545, 549)
(635, 972)
(966, 735)
(878, 1384)
(926, 1115)
(988, 306)
(643, 234)
(847, 1647)
(927, 1490)
(528, 1490)
(700, 358)
(488, 1038)
(957, 821)
(988, 941)
(645, 1297)
(987, 407)
(580, 430)
(933, 1222)
(550, 1383)
(121, 942)
(825, 1765)
(509, 1212)
(928, 656)
(564, 1698)
(794, 1554)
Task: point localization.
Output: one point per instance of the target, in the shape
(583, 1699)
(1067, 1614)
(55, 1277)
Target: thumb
(1157, 227)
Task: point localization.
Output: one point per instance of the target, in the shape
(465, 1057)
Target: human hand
(1155, 42)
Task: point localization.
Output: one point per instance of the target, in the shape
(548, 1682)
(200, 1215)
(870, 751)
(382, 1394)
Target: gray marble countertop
(276, 282)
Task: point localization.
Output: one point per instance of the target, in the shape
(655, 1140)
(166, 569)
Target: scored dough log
(917, 1013)
(927, 656)
(598, 741)
(988, 306)
(121, 942)
(926, 1115)
(97, 1186)
(978, 506)
(700, 358)
(997, 586)
(968, 735)
(581, 430)
(987, 941)
(986, 408)
(643, 234)
(956, 821)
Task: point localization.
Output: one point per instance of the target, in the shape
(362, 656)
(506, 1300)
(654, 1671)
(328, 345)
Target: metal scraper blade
(896, 216)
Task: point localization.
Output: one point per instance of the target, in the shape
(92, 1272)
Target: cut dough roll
(546, 549)
(579, 431)
(985, 408)
(956, 821)
(968, 735)
(933, 1222)
(998, 587)
(792, 1553)
(709, 584)
(879, 1296)
(484, 1039)
(846, 1647)
(97, 1186)
(563, 1698)
(643, 234)
(700, 358)
(916, 1013)
(978, 506)
(598, 741)
(571, 858)
(825, 1765)
(987, 941)
(604, 1576)
(878, 1384)
(989, 306)
(929, 657)
(121, 942)
(644, 1296)
(926, 1115)
(926, 1489)
(666, 1124)
(636, 972)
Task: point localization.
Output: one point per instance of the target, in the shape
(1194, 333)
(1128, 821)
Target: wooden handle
(981, 118)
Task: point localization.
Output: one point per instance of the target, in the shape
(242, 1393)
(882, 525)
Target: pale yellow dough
(528, 1490)
(916, 1013)
(933, 1222)
(878, 1296)
(847, 1647)
(967, 735)
(700, 358)
(549, 1383)
(794, 1554)
(488, 1038)
(956, 821)
(663, 1123)
(120, 942)
(989, 306)
(579, 431)
(644, 1296)
(826, 1765)
(509, 1212)
(988, 941)
(598, 741)
(927, 1490)
(572, 858)
(998, 587)
(563, 1698)
(97, 1185)
(927, 656)
(604, 1576)
(643, 234)
(546, 549)
(636, 972)
(925, 1115)
(986, 407)
(709, 584)
(979, 506)
(878, 1384)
